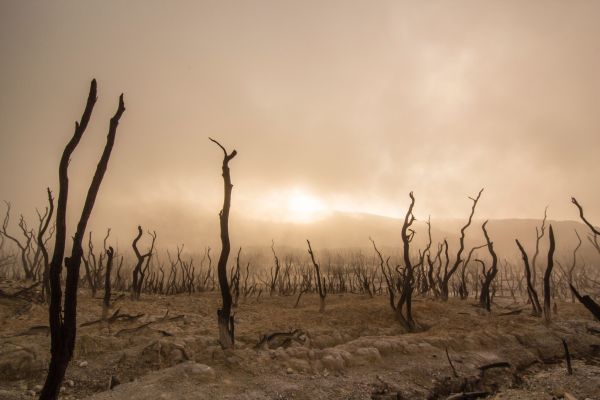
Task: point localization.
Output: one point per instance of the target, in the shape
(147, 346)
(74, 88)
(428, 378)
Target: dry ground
(354, 350)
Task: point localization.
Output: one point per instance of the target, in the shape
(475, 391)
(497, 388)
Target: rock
(37, 388)
(83, 364)
(70, 383)
(62, 389)
(289, 371)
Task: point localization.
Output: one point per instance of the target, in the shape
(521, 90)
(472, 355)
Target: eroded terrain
(166, 348)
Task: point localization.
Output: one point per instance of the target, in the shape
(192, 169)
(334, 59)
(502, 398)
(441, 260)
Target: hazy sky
(332, 105)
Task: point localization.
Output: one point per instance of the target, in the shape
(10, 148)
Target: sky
(333, 106)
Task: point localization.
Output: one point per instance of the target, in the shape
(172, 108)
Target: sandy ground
(354, 350)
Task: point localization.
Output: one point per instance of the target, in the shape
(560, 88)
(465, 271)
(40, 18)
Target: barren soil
(354, 350)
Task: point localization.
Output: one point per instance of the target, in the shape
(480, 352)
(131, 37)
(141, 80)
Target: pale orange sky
(332, 105)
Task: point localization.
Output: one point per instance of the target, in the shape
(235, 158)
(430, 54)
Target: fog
(332, 106)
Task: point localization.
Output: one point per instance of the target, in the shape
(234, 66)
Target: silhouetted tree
(63, 326)
(139, 271)
(321, 287)
(547, 275)
(224, 317)
(587, 301)
(42, 247)
(531, 292)
(110, 253)
(488, 276)
(539, 235)
(449, 272)
(595, 231)
(404, 306)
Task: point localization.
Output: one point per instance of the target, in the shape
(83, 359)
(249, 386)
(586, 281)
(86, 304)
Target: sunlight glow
(294, 204)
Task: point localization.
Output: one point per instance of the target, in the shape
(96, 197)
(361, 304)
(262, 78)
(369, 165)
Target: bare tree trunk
(224, 317)
(547, 275)
(109, 264)
(531, 292)
(322, 289)
(63, 330)
(484, 299)
(42, 247)
(448, 273)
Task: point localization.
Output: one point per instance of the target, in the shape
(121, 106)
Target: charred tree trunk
(138, 273)
(404, 306)
(321, 287)
(109, 264)
(224, 317)
(484, 298)
(547, 275)
(587, 302)
(531, 292)
(63, 327)
(42, 247)
(448, 273)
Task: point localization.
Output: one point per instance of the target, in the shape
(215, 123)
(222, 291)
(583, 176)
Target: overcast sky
(332, 106)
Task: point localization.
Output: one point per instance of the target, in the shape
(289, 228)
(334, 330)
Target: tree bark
(63, 329)
(224, 317)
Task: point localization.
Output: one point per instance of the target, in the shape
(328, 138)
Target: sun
(292, 204)
(304, 207)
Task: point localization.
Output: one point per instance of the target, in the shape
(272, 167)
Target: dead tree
(547, 275)
(488, 277)
(448, 273)
(110, 253)
(63, 324)
(321, 287)
(224, 317)
(404, 306)
(274, 275)
(42, 246)
(24, 246)
(531, 292)
(463, 290)
(138, 272)
(595, 231)
(539, 235)
(387, 275)
(587, 301)
(235, 280)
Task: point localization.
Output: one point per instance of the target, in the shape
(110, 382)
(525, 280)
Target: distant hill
(350, 230)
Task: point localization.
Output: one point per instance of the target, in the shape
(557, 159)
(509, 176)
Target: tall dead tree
(531, 292)
(24, 246)
(449, 272)
(321, 287)
(404, 306)
(224, 317)
(488, 276)
(547, 275)
(110, 253)
(63, 325)
(274, 275)
(42, 247)
(139, 271)
(587, 301)
(539, 235)
(595, 236)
